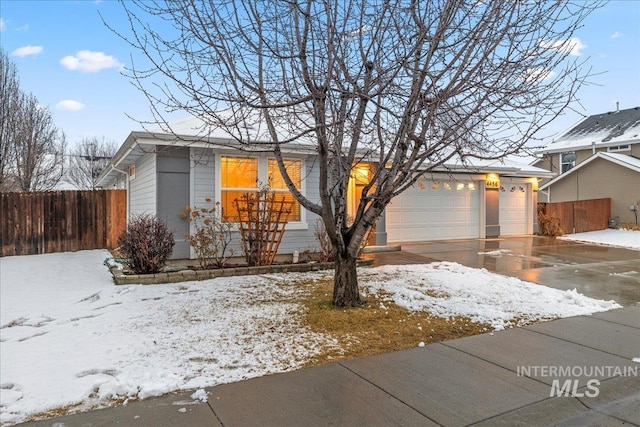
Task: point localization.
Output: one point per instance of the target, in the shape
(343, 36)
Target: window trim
(617, 148)
(263, 176)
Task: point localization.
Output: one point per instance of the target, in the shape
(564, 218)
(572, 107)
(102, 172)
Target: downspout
(546, 193)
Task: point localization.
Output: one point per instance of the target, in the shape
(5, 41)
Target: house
(599, 157)
(164, 173)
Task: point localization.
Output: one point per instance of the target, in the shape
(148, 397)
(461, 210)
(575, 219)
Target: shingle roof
(606, 129)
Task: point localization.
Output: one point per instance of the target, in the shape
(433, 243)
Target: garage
(435, 210)
(513, 209)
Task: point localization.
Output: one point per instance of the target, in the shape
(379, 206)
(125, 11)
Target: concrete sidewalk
(499, 379)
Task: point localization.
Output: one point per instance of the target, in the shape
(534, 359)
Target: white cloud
(70, 105)
(3, 26)
(27, 50)
(87, 61)
(539, 74)
(572, 46)
(616, 35)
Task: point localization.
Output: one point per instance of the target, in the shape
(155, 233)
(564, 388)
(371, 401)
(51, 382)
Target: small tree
(212, 238)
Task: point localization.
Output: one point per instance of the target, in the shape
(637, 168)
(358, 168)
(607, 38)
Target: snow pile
(448, 289)
(613, 237)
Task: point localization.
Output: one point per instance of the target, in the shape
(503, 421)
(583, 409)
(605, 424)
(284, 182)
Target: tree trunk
(345, 285)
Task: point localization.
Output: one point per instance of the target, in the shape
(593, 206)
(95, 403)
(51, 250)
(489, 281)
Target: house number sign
(492, 183)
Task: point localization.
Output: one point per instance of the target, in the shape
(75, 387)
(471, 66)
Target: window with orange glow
(239, 175)
(278, 186)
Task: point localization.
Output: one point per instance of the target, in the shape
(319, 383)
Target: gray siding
(143, 187)
(601, 179)
(203, 177)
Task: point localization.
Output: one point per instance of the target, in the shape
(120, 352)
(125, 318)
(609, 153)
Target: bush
(146, 243)
(326, 253)
(212, 238)
(548, 225)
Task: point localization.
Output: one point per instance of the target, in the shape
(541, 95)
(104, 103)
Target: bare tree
(9, 107)
(406, 85)
(38, 147)
(31, 147)
(87, 160)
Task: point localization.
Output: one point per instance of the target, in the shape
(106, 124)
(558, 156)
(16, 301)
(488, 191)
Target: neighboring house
(597, 158)
(164, 173)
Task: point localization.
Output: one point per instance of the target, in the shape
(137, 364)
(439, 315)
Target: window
(276, 181)
(568, 161)
(239, 175)
(614, 148)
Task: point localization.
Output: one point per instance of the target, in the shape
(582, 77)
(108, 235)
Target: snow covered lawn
(69, 337)
(622, 238)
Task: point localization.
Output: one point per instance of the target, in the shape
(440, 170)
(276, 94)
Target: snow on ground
(449, 289)
(69, 336)
(614, 237)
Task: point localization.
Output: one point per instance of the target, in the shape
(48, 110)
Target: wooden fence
(582, 215)
(61, 221)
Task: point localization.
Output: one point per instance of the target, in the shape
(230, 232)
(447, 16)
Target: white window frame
(263, 178)
(621, 147)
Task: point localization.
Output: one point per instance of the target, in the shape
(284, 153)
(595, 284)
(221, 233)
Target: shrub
(326, 248)
(147, 243)
(548, 225)
(212, 238)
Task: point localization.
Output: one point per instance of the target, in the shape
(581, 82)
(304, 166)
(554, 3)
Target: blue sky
(72, 63)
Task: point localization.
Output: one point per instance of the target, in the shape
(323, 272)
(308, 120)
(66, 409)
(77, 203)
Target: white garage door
(513, 209)
(435, 210)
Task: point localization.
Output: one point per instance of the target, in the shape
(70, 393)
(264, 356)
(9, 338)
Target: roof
(623, 160)
(194, 132)
(603, 130)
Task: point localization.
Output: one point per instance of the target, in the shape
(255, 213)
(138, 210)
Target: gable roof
(603, 130)
(623, 160)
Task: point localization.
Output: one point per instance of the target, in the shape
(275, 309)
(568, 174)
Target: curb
(189, 275)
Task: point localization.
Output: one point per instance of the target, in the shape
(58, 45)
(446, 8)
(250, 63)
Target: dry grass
(377, 327)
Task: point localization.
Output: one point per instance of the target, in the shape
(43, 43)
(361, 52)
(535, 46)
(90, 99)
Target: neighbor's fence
(61, 221)
(582, 215)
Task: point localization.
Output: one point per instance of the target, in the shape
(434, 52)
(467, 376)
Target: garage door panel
(513, 209)
(430, 211)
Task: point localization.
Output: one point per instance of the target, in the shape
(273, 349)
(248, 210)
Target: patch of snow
(201, 395)
(71, 337)
(613, 237)
(448, 289)
(496, 253)
(636, 359)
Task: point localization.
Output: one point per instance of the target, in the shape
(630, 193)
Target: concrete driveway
(597, 271)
